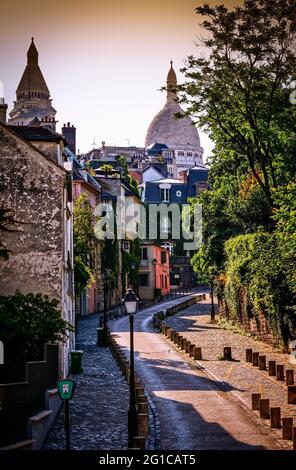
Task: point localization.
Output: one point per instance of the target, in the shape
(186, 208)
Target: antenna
(94, 143)
(128, 141)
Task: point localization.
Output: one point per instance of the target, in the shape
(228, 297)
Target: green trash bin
(76, 362)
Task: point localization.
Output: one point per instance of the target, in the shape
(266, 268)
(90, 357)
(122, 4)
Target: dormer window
(165, 195)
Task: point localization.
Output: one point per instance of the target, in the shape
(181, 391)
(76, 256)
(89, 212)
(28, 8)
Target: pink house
(154, 271)
(91, 300)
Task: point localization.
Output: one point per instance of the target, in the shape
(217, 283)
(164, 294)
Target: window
(196, 155)
(144, 253)
(126, 246)
(165, 195)
(180, 153)
(189, 154)
(178, 193)
(166, 226)
(163, 257)
(144, 279)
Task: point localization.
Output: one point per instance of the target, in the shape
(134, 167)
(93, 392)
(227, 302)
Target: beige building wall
(35, 189)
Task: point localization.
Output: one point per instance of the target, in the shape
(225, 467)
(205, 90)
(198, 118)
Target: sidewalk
(99, 407)
(194, 324)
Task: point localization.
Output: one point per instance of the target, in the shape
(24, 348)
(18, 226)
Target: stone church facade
(33, 105)
(179, 135)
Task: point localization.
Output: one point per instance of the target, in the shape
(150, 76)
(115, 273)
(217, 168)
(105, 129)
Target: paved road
(195, 411)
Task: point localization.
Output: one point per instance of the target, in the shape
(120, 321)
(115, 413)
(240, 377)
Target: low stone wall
(27, 409)
(142, 398)
(255, 324)
(157, 317)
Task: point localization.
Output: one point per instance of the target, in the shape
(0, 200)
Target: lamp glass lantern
(130, 302)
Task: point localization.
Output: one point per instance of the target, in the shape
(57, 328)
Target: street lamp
(130, 302)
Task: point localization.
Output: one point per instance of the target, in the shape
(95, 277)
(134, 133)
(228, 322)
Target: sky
(104, 61)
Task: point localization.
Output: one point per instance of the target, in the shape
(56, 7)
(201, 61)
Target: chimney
(3, 111)
(69, 132)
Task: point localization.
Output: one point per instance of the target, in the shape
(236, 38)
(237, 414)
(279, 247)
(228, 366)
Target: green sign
(66, 389)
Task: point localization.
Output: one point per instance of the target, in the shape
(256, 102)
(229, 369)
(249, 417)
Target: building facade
(38, 191)
(91, 300)
(154, 271)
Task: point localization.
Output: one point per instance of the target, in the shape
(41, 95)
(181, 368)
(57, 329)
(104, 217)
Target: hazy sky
(103, 60)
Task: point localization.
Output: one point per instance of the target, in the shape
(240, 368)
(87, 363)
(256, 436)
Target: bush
(27, 322)
(256, 265)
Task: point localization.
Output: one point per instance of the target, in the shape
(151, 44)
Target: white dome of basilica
(180, 135)
(172, 132)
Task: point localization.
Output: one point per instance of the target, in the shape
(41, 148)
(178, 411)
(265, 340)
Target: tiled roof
(36, 134)
(81, 174)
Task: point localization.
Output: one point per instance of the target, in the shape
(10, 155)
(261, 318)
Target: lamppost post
(105, 332)
(130, 301)
(105, 321)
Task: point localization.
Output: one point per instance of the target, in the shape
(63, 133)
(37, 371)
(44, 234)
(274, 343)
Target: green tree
(84, 242)
(107, 169)
(27, 322)
(206, 273)
(240, 92)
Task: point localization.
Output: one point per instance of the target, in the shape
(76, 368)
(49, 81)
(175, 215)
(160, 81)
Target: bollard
(180, 339)
(249, 355)
(287, 428)
(197, 356)
(294, 437)
(183, 344)
(139, 442)
(275, 417)
(191, 350)
(292, 394)
(140, 391)
(255, 400)
(227, 354)
(187, 347)
(143, 425)
(176, 336)
(143, 407)
(280, 372)
(255, 357)
(264, 408)
(172, 335)
(289, 377)
(262, 362)
(272, 368)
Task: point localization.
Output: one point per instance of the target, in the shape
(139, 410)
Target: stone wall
(32, 186)
(255, 324)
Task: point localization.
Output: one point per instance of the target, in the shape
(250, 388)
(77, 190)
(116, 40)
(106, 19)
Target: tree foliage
(27, 322)
(239, 93)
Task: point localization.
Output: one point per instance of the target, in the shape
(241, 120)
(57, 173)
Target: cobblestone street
(194, 324)
(99, 407)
